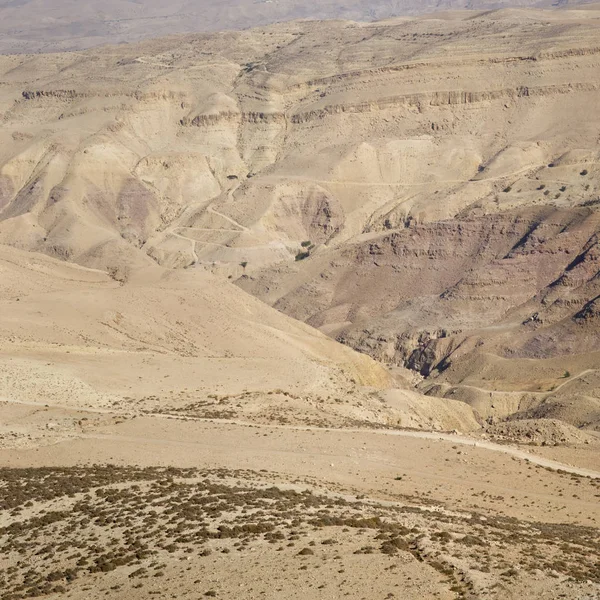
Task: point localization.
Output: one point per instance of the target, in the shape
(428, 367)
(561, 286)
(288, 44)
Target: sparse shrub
(591, 202)
(393, 545)
(471, 540)
(510, 573)
(302, 255)
(443, 536)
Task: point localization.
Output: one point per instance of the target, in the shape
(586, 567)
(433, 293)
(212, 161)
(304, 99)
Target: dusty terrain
(335, 512)
(304, 311)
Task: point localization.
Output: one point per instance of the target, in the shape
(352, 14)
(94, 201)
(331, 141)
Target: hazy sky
(47, 25)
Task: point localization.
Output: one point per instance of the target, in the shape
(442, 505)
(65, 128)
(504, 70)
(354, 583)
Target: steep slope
(72, 336)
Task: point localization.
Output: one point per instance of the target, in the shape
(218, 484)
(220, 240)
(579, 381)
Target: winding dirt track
(424, 435)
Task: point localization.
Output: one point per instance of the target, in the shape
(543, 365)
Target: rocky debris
(541, 432)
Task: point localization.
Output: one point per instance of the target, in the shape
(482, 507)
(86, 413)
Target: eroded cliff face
(532, 275)
(522, 283)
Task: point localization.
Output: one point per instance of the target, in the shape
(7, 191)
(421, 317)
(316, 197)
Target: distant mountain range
(41, 26)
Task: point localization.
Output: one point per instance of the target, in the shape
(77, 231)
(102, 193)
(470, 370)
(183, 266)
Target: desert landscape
(302, 309)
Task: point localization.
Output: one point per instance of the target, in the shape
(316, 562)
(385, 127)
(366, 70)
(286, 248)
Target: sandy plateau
(304, 311)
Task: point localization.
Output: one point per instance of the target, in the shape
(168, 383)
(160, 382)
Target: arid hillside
(426, 190)
(169, 341)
